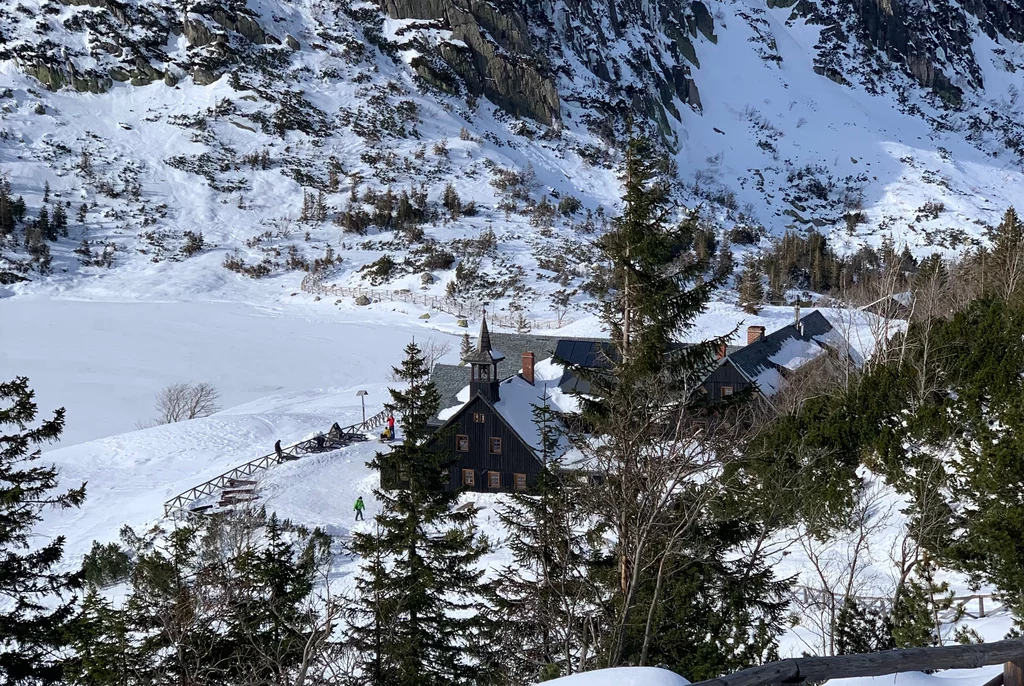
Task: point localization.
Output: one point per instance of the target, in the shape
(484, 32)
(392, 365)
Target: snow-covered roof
(767, 360)
(518, 398)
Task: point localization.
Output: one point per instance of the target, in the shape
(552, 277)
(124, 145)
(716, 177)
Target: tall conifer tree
(657, 495)
(751, 287)
(544, 600)
(419, 574)
(36, 605)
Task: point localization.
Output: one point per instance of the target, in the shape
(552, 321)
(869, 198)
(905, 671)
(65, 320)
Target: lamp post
(362, 398)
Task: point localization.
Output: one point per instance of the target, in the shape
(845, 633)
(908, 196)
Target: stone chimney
(754, 333)
(796, 315)
(528, 361)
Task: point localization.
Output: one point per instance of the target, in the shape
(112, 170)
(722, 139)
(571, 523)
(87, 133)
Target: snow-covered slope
(221, 117)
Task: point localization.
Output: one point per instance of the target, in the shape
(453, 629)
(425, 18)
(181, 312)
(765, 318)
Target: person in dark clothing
(319, 442)
(359, 507)
(277, 449)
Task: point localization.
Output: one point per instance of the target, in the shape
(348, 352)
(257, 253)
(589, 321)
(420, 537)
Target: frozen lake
(105, 361)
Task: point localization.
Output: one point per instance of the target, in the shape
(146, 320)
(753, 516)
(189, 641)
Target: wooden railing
(1009, 653)
(974, 606)
(335, 436)
(314, 283)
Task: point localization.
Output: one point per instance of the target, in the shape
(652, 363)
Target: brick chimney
(528, 360)
(754, 333)
(723, 350)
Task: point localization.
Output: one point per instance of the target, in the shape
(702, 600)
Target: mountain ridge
(255, 123)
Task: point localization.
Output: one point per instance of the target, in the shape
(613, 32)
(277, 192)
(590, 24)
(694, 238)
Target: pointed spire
(483, 343)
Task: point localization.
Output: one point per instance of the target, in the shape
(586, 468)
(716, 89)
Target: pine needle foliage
(418, 619)
(36, 599)
(544, 600)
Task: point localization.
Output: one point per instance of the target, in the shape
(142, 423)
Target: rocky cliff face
(930, 40)
(614, 55)
(119, 41)
(638, 56)
(490, 50)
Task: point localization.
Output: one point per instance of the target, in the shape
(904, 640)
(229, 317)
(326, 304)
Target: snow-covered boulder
(622, 676)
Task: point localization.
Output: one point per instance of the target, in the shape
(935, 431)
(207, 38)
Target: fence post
(981, 606)
(1013, 673)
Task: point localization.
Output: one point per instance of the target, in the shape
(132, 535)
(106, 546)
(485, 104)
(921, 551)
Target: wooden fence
(1009, 653)
(974, 606)
(336, 436)
(314, 283)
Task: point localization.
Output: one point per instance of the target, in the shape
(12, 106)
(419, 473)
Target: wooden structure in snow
(235, 485)
(492, 442)
(801, 670)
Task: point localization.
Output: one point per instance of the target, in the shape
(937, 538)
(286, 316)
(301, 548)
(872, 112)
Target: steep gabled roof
(517, 400)
(449, 379)
(585, 354)
(767, 360)
(513, 345)
(452, 416)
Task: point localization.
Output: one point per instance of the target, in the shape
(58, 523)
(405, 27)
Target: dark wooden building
(485, 437)
(766, 362)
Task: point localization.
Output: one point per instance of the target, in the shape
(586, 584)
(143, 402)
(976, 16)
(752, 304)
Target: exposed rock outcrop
(932, 41)
(127, 43)
(491, 52)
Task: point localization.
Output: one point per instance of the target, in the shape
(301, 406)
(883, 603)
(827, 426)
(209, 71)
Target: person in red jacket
(391, 427)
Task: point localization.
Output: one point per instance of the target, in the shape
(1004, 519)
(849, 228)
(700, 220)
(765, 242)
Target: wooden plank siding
(516, 457)
(725, 375)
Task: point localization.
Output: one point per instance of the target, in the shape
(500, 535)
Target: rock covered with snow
(622, 676)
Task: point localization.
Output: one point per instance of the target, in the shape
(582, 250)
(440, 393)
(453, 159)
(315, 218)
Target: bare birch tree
(183, 401)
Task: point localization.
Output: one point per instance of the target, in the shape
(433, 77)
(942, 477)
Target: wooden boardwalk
(236, 484)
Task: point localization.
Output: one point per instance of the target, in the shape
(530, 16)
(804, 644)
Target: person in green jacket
(359, 508)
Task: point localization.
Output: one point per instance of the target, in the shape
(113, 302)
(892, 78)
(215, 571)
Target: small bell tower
(483, 367)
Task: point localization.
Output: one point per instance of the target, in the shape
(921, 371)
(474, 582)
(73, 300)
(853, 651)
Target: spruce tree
(916, 611)
(649, 440)
(270, 585)
(35, 606)
(227, 600)
(861, 629)
(726, 263)
(419, 573)
(44, 226)
(7, 219)
(18, 208)
(656, 295)
(543, 599)
(1005, 271)
(718, 611)
(60, 221)
(175, 635)
(466, 348)
(104, 654)
(751, 287)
